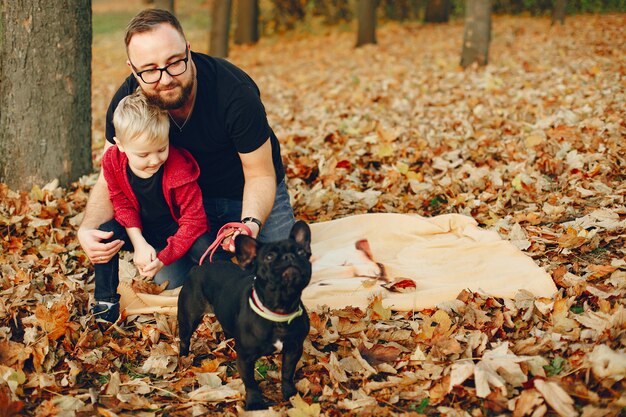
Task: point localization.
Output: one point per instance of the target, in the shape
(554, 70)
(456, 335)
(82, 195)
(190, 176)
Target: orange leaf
(54, 321)
(601, 270)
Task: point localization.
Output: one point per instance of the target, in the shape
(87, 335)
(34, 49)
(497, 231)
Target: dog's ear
(245, 250)
(301, 233)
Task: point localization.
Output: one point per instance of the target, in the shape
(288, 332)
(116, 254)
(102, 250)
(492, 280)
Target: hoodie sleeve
(126, 213)
(191, 224)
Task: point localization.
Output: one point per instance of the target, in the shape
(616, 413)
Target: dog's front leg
(290, 360)
(254, 398)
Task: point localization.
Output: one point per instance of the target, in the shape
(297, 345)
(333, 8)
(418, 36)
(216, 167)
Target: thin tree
(477, 34)
(161, 4)
(366, 14)
(220, 28)
(247, 31)
(558, 11)
(437, 11)
(45, 92)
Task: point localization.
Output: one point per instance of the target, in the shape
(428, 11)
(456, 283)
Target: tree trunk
(45, 92)
(247, 22)
(220, 28)
(164, 4)
(558, 12)
(366, 12)
(437, 11)
(477, 33)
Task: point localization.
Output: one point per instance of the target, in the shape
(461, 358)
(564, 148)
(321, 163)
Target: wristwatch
(252, 220)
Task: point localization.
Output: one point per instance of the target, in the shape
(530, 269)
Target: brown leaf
(9, 407)
(13, 353)
(53, 321)
(378, 354)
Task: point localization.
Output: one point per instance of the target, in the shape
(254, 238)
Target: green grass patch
(111, 22)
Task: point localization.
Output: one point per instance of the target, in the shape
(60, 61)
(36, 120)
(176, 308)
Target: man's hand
(228, 244)
(98, 252)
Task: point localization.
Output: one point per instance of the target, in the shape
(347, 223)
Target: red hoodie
(181, 192)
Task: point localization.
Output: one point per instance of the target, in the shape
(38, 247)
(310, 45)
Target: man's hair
(135, 117)
(146, 20)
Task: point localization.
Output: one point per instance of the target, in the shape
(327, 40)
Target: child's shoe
(109, 312)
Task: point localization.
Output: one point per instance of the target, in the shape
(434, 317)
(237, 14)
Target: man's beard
(154, 98)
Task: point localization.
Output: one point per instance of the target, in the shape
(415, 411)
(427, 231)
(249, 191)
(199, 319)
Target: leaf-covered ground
(532, 146)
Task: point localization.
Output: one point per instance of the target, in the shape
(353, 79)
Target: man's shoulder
(128, 86)
(220, 70)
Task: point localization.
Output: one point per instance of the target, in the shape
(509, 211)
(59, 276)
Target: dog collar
(261, 310)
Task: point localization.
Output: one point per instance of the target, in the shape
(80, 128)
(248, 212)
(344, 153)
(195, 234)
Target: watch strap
(252, 220)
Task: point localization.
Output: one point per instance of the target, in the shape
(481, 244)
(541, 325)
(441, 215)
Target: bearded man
(217, 115)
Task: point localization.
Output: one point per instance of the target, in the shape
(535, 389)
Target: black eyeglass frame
(165, 68)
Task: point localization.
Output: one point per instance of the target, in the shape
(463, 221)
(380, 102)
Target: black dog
(257, 303)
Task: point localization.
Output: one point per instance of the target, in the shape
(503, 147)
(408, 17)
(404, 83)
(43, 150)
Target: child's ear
(119, 145)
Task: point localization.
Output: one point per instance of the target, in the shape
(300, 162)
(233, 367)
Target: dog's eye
(270, 257)
(301, 252)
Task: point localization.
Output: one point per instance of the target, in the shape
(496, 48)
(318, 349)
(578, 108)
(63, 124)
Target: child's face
(145, 158)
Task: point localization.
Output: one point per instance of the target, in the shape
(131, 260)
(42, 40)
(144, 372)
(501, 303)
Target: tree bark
(45, 92)
(558, 12)
(477, 34)
(437, 11)
(220, 28)
(366, 13)
(247, 31)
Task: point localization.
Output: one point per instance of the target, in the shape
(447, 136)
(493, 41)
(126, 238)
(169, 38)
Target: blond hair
(135, 117)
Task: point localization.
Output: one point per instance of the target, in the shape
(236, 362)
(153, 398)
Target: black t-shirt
(228, 117)
(154, 211)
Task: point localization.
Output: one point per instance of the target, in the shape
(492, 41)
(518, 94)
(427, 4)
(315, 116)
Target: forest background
(531, 146)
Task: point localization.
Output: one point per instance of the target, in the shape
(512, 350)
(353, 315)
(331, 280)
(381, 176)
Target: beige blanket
(442, 255)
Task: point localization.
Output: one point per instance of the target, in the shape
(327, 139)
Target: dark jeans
(107, 275)
(277, 227)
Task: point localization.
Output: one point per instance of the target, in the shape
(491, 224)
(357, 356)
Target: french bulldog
(257, 302)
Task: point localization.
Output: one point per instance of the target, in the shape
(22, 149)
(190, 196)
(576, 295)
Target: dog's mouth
(290, 272)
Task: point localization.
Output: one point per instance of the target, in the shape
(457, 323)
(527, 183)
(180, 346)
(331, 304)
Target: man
(217, 115)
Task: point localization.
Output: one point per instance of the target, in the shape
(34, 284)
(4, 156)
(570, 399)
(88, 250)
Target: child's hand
(143, 256)
(152, 268)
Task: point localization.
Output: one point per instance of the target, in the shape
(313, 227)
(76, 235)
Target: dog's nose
(289, 257)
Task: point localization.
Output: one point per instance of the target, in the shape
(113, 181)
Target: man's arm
(99, 209)
(259, 190)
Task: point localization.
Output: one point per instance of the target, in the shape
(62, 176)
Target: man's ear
(245, 250)
(301, 233)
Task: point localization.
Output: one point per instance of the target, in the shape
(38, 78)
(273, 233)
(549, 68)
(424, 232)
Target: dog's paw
(259, 405)
(256, 401)
(289, 391)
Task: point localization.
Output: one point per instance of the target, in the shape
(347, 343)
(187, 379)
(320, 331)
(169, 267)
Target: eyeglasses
(153, 75)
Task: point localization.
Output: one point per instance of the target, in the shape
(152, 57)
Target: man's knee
(112, 226)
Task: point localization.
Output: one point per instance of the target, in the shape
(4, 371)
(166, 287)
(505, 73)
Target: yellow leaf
(385, 150)
(37, 193)
(402, 167)
(302, 409)
(378, 309)
(517, 183)
(386, 135)
(418, 176)
(534, 140)
(440, 320)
